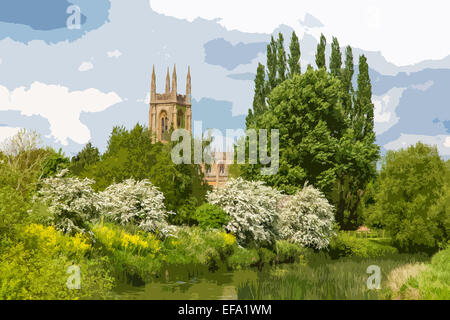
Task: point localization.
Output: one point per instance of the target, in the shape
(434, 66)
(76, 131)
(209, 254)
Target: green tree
(259, 98)
(358, 151)
(89, 155)
(53, 163)
(320, 54)
(412, 181)
(336, 58)
(307, 110)
(281, 59)
(272, 65)
(363, 108)
(347, 76)
(294, 56)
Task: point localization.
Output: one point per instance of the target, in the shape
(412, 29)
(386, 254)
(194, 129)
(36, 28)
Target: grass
(422, 281)
(324, 279)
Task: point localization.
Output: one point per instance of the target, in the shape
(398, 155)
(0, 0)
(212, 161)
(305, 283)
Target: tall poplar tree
(272, 65)
(259, 98)
(347, 76)
(320, 54)
(336, 59)
(281, 59)
(294, 56)
(364, 108)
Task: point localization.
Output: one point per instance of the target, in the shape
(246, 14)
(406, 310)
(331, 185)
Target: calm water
(218, 285)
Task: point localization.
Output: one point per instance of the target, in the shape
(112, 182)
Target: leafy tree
(320, 54)
(54, 163)
(294, 56)
(259, 98)
(307, 110)
(272, 65)
(281, 59)
(336, 58)
(347, 76)
(363, 115)
(88, 156)
(411, 198)
(358, 151)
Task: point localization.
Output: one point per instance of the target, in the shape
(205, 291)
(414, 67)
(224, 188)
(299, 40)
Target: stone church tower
(172, 110)
(169, 109)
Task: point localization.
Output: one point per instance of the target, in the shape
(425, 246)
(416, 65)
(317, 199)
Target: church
(172, 110)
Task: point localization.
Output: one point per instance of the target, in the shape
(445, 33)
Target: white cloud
(447, 142)
(60, 106)
(7, 132)
(406, 32)
(385, 115)
(86, 66)
(441, 141)
(114, 54)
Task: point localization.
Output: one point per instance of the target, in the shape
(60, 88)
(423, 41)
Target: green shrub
(346, 245)
(288, 252)
(243, 258)
(197, 246)
(210, 216)
(36, 267)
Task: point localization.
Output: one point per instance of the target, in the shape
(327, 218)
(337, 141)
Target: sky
(405, 31)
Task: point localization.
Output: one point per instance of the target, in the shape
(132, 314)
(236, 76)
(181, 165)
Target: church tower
(169, 110)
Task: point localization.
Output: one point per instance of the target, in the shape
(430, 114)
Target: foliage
(307, 111)
(71, 201)
(20, 162)
(320, 53)
(89, 155)
(411, 186)
(36, 267)
(336, 58)
(294, 56)
(252, 208)
(135, 202)
(185, 213)
(211, 216)
(307, 219)
(134, 257)
(54, 163)
(347, 245)
(197, 246)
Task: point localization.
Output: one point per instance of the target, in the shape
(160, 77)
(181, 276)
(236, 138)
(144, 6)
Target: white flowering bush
(252, 208)
(136, 202)
(71, 201)
(307, 218)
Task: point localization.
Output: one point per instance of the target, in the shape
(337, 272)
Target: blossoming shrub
(307, 219)
(252, 208)
(136, 202)
(71, 201)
